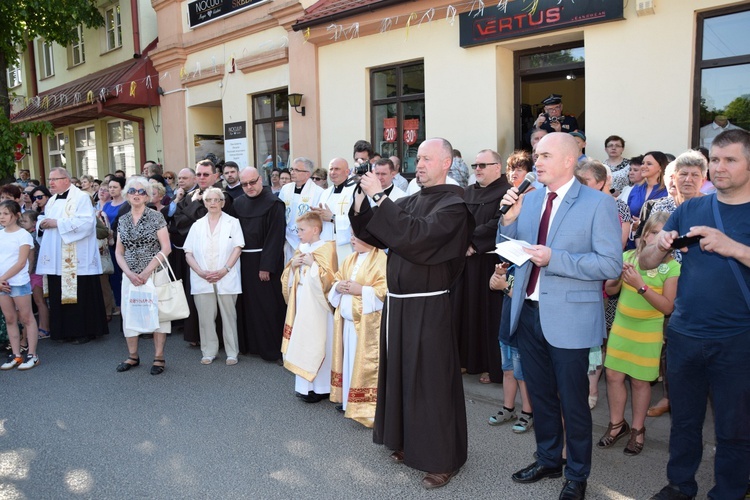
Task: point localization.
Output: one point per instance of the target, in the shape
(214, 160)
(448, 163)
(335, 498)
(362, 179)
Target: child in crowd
(15, 286)
(28, 222)
(308, 327)
(502, 279)
(358, 295)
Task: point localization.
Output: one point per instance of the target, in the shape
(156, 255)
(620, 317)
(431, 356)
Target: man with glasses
(334, 208)
(299, 196)
(261, 307)
(69, 256)
(476, 313)
(552, 119)
(188, 210)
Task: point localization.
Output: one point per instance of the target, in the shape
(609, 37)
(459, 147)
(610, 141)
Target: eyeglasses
(38, 197)
(300, 171)
(203, 174)
(53, 179)
(139, 192)
(482, 165)
(250, 183)
(212, 200)
(169, 178)
(317, 179)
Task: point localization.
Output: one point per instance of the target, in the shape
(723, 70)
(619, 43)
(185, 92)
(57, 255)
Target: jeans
(696, 368)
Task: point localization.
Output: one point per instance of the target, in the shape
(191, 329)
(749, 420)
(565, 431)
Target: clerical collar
(339, 188)
(63, 196)
(298, 190)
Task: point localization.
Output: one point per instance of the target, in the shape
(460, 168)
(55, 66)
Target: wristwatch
(378, 196)
(229, 269)
(643, 290)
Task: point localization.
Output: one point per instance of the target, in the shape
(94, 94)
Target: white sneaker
(231, 360)
(12, 362)
(31, 361)
(207, 360)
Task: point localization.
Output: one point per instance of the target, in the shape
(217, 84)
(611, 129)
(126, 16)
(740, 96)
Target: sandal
(485, 378)
(43, 334)
(608, 439)
(125, 366)
(157, 369)
(633, 447)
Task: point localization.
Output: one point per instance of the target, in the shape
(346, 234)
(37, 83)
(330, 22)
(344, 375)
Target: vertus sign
(520, 19)
(203, 11)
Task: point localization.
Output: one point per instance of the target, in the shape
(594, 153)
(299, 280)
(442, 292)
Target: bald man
(333, 208)
(557, 313)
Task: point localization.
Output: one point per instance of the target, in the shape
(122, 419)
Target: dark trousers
(558, 387)
(696, 368)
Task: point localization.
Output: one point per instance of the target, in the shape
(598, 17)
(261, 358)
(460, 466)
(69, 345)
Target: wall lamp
(295, 100)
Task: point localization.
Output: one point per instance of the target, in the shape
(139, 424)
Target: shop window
(114, 27)
(76, 51)
(56, 146)
(121, 147)
(14, 75)
(722, 72)
(86, 151)
(398, 112)
(271, 131)
(46, 59)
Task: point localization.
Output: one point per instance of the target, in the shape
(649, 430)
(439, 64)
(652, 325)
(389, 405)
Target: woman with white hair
(212, 250)
(141, 236)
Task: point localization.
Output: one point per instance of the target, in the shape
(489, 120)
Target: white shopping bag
(140, 309)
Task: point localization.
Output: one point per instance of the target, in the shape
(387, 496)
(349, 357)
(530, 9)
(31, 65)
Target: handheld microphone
(527, 181)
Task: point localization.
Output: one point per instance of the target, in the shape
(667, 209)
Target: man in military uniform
(552, 120)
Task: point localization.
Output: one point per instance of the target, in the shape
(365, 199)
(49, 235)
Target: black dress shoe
(573, 490)
(535, 472)
(671, 492)
(82, 340)
(340, 408)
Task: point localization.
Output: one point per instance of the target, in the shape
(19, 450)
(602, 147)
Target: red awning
(111, 88)
(326, 11)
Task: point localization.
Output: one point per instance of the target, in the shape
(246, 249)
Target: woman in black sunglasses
(39, 198)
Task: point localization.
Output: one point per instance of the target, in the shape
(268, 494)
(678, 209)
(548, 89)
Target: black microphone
(527, 181)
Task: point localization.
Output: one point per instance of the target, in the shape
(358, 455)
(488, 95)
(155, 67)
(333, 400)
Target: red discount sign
(410, 131)
(19, 152)
(390, 126)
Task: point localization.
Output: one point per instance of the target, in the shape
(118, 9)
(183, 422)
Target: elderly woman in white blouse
(212, 250)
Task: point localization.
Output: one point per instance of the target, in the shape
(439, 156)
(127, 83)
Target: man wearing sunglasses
(69, 256)
(188, 210)
(477, 308)
(261, 305)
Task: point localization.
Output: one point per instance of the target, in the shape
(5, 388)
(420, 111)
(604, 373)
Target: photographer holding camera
(552, 120)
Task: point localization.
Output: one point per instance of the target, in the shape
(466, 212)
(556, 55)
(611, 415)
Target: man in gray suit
(556, 311)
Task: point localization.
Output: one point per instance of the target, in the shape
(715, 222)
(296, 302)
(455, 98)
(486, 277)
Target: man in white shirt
(333, 208)
(709, 132)
(399, 180)
(299, 196)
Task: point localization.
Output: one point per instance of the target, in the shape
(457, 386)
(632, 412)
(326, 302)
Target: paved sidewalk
(74, 428)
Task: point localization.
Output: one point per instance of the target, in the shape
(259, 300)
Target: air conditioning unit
(644, 7)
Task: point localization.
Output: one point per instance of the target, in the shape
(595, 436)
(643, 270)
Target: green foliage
(738, 111)
(13, 133)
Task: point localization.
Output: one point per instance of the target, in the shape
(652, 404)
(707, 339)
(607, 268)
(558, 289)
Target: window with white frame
(77, 50)
(121, 147)
(114, 27)
(14, 75)
(46, 59)
(56, 143)
(86, 151)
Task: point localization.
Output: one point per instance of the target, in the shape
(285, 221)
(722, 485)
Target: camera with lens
(551, 119)
(362, 168)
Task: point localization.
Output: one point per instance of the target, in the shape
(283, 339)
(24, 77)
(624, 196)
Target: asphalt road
(74, 428)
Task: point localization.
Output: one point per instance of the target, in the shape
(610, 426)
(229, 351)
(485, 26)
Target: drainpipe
(35, 91)
(136, 29)
(141, 126)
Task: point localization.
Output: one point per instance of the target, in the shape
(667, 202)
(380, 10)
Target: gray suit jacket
(586, 250)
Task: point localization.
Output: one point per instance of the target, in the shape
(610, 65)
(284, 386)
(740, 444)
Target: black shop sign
(203, 11)
(527, 17)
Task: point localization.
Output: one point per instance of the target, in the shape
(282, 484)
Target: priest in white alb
(299, 196)
(334, 208)
(69, 256)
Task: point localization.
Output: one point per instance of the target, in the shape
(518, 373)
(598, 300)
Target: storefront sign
(235, 143)
(526, 17)
(203, 11)
(390, 129)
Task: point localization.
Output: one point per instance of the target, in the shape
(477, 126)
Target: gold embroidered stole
(69, 265)
(306, 323)
(363, 387)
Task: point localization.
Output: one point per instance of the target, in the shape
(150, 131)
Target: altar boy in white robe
(308, 327)
(69, 256)
(358, 295)
(299, 196)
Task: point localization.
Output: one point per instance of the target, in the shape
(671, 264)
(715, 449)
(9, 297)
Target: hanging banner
(410, 131)
(390, 129)
(235, 143)
(203, 11)
(523, 18)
